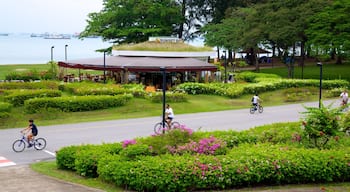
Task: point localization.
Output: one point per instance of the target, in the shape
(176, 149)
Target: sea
(21, 48)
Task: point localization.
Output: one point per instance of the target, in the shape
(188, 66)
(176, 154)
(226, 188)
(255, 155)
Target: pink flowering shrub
(207, 146)
(128, 142)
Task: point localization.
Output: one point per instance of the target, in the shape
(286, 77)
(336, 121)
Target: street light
(104, 66)
(65, 57)
(162, 69)
(65, 52)
(52, 52)
(320, 94)
(225, 65)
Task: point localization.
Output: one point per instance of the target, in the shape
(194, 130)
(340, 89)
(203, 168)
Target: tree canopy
(134, 21)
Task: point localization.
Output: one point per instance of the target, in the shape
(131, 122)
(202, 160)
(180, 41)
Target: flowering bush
(207, 146)
(320, 124)
(126, 143)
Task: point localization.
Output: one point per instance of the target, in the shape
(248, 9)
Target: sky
(40, 16)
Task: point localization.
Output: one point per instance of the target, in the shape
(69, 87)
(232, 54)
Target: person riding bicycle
(255, 101)
(169, 114)
(30, 131)
(344, 97)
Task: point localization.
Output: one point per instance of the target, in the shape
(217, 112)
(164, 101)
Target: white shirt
(255, 99)
(344, 96)
(170, 112)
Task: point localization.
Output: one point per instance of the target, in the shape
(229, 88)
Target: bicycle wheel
(261, 109)
(18, 145)
(39, 144)
(175, 125)
(252, 110)
(159, 128)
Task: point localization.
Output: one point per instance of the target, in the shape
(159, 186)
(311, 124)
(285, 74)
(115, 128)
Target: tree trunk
(183, 12)
(302, 58)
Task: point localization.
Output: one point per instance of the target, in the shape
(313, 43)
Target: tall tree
(133, 21)
(330, 29)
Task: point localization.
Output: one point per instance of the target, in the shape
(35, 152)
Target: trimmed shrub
(18, 97)
(86, 160)
(76, 103)
(30, 85)
(245, 166)
(171, 97)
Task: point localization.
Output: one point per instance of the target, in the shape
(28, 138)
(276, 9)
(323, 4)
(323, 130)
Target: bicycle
(158, 128)
(257, 107)
(20, 144)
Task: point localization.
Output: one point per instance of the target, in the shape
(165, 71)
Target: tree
(134, 21)
(330, 29)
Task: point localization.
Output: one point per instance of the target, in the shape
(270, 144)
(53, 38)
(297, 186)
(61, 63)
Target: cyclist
(30, 131)
(255, 101)
(169, 115)
(345, 97)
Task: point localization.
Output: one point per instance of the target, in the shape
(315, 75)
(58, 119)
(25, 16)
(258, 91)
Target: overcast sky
(39, 16)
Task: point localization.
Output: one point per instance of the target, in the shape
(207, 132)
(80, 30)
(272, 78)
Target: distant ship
(57, 36)
(4, 34)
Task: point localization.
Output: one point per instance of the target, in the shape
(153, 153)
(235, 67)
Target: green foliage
(134, 151)
(171, 97)
(120, 20)
(76, 103)
(245, 166)
(345, 123)
(52, 73)
(265, 155)
(86, 159)
(30, 85)
(320, 124)
(25, 76)
(17, 97)
(297, 94)
(5, 109)
(65, 157)
(263, 84)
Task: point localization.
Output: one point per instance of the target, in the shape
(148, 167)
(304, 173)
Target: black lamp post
(162, 69)
(52, 52)
(320, 94)
(225, 65)
(104, 66)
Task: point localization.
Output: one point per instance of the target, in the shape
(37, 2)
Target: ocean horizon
(24, 49)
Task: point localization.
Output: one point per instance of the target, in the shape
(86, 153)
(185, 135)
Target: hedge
(157, 97)
(262, 164)
(85, 88)
(76, 103)
(30, 85)
(235, 90)
(17, 97)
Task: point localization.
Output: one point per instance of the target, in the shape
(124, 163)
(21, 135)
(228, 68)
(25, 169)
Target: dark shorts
(170, 118)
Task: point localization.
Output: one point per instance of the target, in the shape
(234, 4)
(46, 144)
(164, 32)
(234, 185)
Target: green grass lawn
(330, 71)
(138, 107)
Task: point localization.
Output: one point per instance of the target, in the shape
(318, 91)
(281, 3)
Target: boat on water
(57, 36)
(4, 34)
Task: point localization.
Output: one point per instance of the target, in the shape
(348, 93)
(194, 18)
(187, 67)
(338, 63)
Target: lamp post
(65, 52)
(225, 65)
(162, 69)
(104, 66)
(52, 52)
(65, 56)
(320, 94)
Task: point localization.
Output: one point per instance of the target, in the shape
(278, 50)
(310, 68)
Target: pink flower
(128, 142)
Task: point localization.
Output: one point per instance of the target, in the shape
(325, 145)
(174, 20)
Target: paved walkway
(23, 178)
